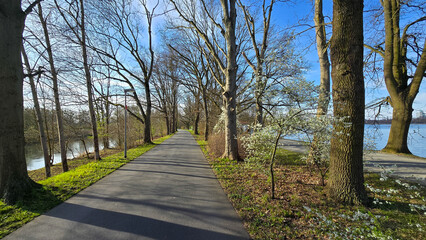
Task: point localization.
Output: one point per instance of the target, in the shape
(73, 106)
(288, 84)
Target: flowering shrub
(259, 145)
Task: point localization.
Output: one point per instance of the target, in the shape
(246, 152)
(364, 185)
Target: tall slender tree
(39, 118)
(75, 19)
(14, 180)
(55, 88)
(346, 182)
(260, 52)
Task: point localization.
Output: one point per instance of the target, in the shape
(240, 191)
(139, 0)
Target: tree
(260, 51)
(404, 68)
(75, 19)
(166, 86)
(321, 40)
(346, 181)
(124, 47)
(228, 68)
(54, 75)
(39, 118)
(14, 180)
(324, 94)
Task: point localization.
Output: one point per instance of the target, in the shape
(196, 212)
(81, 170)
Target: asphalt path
(169, 192)
(401, 166)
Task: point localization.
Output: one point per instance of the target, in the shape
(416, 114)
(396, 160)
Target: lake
(35, 159)
(378, 134)
(416, 137)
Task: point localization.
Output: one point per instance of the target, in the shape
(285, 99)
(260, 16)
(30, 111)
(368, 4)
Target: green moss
(59, 188)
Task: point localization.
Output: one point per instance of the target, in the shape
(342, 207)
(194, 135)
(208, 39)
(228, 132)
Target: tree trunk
(147, 126)
(206, 112)
(324, 94)
(89, 83)
(401, 91)
(400, 126)
(230, 90)
(321, 39)
(197, 113)
(39, 117)
(258, 94)
(346, 165)
(14, 180)
(55, 89)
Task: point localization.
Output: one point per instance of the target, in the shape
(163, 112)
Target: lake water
(35, 159)
(416, 137)
(378, 134)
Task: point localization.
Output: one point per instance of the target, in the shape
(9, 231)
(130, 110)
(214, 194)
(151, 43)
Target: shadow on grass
(41, 199)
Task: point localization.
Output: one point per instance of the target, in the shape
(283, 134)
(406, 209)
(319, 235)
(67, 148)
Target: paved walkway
(169, 192)
(410, 168)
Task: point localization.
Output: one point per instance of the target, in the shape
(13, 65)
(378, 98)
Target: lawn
(56, 189)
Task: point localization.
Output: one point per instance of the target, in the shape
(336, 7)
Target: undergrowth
(302, 210)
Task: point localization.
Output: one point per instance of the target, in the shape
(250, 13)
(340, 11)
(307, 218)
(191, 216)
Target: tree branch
(32, 5)
(381, 53)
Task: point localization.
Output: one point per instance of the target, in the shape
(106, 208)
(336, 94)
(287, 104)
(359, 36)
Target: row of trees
(208, 57)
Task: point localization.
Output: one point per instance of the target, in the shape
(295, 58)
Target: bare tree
(54, 75)
(43, 140)
(346, 181)
(166, 86)
(123, 34)
(260, 51)
(404, 69)
(74, 16)
(228, 68)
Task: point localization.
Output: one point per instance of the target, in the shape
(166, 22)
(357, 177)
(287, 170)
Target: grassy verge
(59, 188)
(302, 210)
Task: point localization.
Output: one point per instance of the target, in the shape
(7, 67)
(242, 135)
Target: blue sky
(290, 14)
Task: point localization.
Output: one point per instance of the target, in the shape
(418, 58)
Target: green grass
(303, 211)
(59, 188)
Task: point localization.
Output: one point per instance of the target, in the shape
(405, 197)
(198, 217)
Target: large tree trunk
(346, 182)
(401, 119)
(401, 91)
(89, 83)
(230, 90)
(14, 180)
(55, 89)
(39, 118)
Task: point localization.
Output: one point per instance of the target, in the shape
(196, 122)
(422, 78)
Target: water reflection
(35, 159)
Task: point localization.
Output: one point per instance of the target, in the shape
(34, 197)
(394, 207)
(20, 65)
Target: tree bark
(14, 180)
(55, 89)
(230, 88)
(39, 118)
(346, 182)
